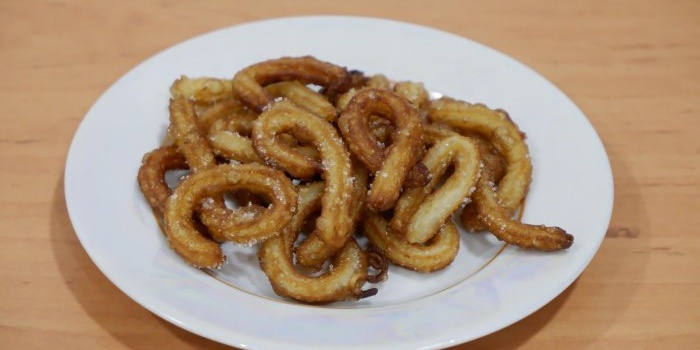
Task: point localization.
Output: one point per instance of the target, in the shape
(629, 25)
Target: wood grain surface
(633, 67)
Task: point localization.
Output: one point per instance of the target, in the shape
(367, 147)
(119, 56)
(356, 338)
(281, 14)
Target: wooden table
(632, 66)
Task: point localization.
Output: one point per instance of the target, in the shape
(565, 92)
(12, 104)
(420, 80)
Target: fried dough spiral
(189, 139)
(202, 91)
(249, 83)
(332, 175)
(151, 176)
(494, 204)
(282, 119)
(343, 281)
(415, 94)
(335, 222)
(186, 133)
(397, 159)
(490, 158)
(497, 166)
(497, 126)
(183, 235)
(313, 249)
(435, 254)
(305, 98)
(228, 125)
(498, 220)
(420, 212)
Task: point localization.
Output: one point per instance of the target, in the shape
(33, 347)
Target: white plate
(572, 188)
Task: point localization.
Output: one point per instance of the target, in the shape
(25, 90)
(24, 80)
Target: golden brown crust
(314, 251)
(435, 254)
(273, 147)
(334, 224)
(248, 83)
(304, 97)
(398, 158)
(343, 281)
(499, 222)
(505, 136)
(416, 94)
(497, 166)
(420, 212)
(186, 135)
(198, 189)
(151, 176)
(228, 125)
(415, 162)
(202, 90)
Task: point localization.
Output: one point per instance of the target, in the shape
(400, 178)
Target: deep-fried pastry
(497, 166)
(416, 94)
(490, 159)
(253, 223)
(313, 249)
(297, 155)
(435, 254)
(234, 146)
(421, 212)
(397, 159)
(186, 135)
(335, 222)
(229, 125)
(249, 83)
(499, 222)
(198, 189)
(497, 126)
(342, 281)
(495, 201)
(305, 98)
(151, 176)
(204, 90)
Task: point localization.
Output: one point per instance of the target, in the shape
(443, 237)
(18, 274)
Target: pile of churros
(333, 174)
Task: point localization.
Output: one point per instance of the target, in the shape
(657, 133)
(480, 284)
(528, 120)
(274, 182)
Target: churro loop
(220, 113)
(228, 115)
(494, 207)
(151, 176)
(305, 98)
(234, 146)
(396, 159)
(435, 254)
(273, 146)
(497, 166)
(335, 222)
(378, 81)
(229, 125)
(420, 212)
(249, 83)
(499, 221)
(490, 159)
(186, 135)
(253, 223)
(497, 126)
(314, 251)
(342, 281)
(202, 90)
(416, 94)
(199, 188)
(191, 142)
